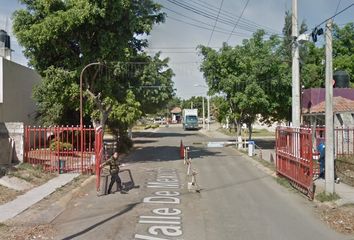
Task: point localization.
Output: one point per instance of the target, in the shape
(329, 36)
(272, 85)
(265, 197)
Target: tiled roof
(176, 110)
(340, 104)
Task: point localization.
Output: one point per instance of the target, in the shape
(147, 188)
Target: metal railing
(59, 148)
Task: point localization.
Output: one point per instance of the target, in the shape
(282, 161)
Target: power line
(216, 21)
(232, 15)
(209, 29)
(201, 22)
(243, 10)
(343, 10)
(337, 6)
(212, 15)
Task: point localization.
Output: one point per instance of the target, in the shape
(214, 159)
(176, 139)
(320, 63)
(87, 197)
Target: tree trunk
(249, 125)
(238, 128)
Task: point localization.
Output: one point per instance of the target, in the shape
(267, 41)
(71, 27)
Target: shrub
(324, 197)
(62, 146)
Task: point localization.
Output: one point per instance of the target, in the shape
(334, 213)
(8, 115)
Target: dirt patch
(7, 194)
(345, 169)
(340, 219)
(33, 174)
(27, 233)
(25, 226)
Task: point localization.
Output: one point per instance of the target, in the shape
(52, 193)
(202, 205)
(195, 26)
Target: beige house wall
(17, 108)
(16, 85)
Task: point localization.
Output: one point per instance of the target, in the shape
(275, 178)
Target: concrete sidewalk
(345, 191)
(23, 202)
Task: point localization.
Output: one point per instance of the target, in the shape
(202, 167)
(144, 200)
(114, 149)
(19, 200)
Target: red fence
(99, 155)
(61, 149)
(294, 158)
(343, 140)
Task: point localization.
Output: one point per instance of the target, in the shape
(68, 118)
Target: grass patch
(324, 197)
(284, 182)
(265, 163)
(7, 194)
(345, 169)
(2, 225)
(31, 173)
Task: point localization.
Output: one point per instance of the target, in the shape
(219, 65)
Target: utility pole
(329, 153)
(208, 112)
(295, 69)
(203, 113)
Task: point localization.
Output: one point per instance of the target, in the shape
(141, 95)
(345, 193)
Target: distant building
(176, 113)
(313, 106)
(5, 45)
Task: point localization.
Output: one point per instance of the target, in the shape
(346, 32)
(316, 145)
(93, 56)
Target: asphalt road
(237, 200)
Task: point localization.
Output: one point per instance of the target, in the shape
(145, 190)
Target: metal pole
(208, 112)
(203, 113)
(295, 70)
(81, 114)
(329, 153)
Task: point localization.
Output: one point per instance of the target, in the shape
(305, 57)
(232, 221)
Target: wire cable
(243, 10)
(343, 10)
(232, 15)
(216, 22)
(211, 15)
(223, 30)
(337, 6)
(209, 29)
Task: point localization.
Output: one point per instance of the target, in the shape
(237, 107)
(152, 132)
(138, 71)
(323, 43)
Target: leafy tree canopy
(61, 37)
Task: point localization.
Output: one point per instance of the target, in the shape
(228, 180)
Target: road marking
(166, 220)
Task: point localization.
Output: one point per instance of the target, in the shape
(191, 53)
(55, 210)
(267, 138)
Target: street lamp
(208, 103)
(81, 114)
(81, 92)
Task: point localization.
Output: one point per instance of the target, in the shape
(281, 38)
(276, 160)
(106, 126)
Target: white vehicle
(190, 119)
(159, 120)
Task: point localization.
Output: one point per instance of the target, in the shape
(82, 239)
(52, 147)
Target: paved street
(237, 200)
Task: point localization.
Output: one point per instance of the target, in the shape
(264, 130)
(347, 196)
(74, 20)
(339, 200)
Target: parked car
(159, 120)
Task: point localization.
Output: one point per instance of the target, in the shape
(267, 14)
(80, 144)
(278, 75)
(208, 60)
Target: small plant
(54, 146)
(284, 182)
(324, 197)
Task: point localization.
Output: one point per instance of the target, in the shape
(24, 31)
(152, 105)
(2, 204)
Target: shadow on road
(165, 153)
(127, 209)
(265, 143)
(162, 134)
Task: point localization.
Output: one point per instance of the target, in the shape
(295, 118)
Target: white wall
(16, 84)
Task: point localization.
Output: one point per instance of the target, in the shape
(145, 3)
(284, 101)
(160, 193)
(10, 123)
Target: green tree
(343, 49)
(249, 78)
(61, 37)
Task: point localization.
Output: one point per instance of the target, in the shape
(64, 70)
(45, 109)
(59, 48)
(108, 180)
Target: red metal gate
(294, 159)
(59, 148)
(99, 155)
(343, 140)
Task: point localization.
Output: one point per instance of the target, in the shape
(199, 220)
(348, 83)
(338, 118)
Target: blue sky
(177, 39)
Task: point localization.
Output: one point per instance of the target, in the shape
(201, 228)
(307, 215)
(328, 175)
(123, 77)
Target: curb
(55, 209)
(64, 201)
